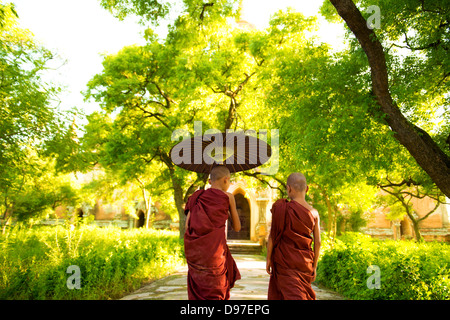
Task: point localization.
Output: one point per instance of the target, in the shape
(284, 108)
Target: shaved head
(218, 172)
(297, 181)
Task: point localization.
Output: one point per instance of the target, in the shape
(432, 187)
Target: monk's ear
(209, 181)
(307, 189)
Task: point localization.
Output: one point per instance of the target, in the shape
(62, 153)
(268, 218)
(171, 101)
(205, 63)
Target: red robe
(212, 270)
(292, 256)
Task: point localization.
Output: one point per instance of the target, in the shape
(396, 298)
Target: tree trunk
(331, 216)
(415, 223)
(177, 191)
(410, 212)
(7, 221)
(418, 142)
(148, 208)
(417, 233)
(178, 197)
(147, 203)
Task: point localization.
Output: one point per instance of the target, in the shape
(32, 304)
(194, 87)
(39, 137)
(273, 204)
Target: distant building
(435, 227)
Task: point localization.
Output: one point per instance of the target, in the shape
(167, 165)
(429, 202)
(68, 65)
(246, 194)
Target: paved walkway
(252, 286)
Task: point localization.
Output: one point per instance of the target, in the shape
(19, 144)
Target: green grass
(112, 262)
(408, 270)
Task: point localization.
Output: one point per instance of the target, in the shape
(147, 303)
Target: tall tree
(329, 137)
(420, 27)
(332, 129)
(201, 72)
(432, 154)
(27, 118)
(404, 193)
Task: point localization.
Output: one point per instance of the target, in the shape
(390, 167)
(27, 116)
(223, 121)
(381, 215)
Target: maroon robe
(212, 270)
(292, 256)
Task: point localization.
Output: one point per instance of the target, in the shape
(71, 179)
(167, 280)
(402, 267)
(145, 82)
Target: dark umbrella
(236, 150)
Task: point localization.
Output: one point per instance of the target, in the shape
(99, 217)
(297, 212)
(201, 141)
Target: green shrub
(112, 262)
(408, 270)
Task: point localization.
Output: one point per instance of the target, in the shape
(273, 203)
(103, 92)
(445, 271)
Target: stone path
(252, 286)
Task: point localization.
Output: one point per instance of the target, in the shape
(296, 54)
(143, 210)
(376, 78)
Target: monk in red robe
(212, 270)
(291, 262)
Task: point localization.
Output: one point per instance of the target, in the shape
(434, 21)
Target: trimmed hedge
(112, 262)
(408, 270)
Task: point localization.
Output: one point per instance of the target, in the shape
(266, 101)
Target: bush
(408, 270)
(112, 262)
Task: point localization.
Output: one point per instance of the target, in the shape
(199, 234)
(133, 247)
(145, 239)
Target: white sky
(80, 30)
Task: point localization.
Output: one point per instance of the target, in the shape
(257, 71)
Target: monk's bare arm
(235, 221)
(187, 221)
(317, 240)
(269, 255)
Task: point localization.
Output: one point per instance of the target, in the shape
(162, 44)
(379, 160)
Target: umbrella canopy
(236, 150)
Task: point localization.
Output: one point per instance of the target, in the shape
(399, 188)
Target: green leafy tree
(423, 30)
(140, 87)
(340, 140)
(301, 77)
(27, 118)
(405, 185)
(199, 73)
(406, 83)
(25, 115)
(39, 191)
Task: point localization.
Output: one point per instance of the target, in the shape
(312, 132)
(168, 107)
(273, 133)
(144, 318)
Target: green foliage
(336, 138)
(151, 10)
(28, 121)
(39, 191)
(341, 140)
(26, 117)
(409, 270)
(33, 262)
(156, 10)
(30, 205)
(415, 36)
(201, 72)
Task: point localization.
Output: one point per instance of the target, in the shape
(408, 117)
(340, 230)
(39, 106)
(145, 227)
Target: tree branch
(408, 183)
(210, 4)
(153, 115)
(165, 96)
(255, 175)
(429, 213)
(201, 179)
(422, 2)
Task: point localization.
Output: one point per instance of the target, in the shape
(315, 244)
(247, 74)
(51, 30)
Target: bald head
(219, 172)
(297, 181)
